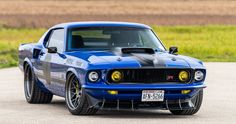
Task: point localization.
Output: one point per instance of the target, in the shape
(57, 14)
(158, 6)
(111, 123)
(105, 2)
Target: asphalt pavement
(219, 104)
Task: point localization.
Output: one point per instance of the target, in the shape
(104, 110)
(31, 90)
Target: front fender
(27, 61)
(72, 70)
(79, 73)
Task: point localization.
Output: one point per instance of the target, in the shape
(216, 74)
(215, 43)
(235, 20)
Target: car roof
(100, 24)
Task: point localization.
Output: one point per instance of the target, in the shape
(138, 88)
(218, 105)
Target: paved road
(218, 106)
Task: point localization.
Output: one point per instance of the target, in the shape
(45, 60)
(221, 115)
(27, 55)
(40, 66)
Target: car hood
(108, 59)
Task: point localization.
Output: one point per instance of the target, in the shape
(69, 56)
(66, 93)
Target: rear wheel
(197, 101)
(33, 93)
(76, 100)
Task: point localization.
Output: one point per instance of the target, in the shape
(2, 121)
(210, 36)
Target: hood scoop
(121, 51)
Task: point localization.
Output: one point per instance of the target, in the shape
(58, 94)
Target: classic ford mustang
(110, 65)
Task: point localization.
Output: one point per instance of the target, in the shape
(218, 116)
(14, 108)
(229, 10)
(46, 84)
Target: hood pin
(173, 59)
(119, 59)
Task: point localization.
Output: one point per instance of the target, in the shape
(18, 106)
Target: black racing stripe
(146, 60)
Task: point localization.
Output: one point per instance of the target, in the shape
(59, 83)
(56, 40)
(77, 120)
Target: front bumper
(129, 96)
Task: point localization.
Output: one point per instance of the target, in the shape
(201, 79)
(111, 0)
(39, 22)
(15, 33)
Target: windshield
(106, 38)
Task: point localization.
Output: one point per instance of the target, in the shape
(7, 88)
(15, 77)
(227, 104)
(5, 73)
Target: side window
(57, 39)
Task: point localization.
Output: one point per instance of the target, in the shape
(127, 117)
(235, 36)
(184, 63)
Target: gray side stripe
(158, 62)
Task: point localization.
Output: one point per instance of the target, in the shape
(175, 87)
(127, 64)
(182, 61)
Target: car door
(42, 63)
(53, 63)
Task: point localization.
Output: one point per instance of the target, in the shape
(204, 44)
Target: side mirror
(52, 49)
(173, 50)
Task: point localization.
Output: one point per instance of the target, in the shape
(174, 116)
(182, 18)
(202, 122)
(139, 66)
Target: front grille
(150, 75)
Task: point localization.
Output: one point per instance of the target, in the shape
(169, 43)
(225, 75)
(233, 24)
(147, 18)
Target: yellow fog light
(183, 76)
(112, 92)
(116, 76)
(185, 91)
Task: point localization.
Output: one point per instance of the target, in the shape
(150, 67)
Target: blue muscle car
(110, 65)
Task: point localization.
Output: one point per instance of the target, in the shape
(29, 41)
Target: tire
(33, 93)
(76, 100)
(197, 101)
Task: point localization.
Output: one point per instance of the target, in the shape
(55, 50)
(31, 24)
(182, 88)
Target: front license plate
(152, 95)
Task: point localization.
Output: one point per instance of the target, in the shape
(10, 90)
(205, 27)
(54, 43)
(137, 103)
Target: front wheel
(197, 101)
(76, 100)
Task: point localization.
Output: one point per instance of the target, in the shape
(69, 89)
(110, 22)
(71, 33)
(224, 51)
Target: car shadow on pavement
(58, 103)
(141, 114)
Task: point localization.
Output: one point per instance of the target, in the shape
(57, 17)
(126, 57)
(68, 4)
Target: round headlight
(116, 76)
(93, 76)
(183, 76)
(199, 75)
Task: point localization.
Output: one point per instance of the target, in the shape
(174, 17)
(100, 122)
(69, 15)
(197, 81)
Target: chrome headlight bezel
(199, 75)
(93, 76)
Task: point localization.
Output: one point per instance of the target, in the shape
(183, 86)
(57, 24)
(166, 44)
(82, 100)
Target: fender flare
(27, 61)
(76, 73)
(72, 70)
